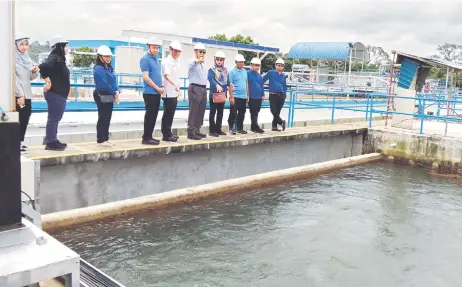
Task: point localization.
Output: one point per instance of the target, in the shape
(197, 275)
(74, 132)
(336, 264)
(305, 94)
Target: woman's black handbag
(106, 99)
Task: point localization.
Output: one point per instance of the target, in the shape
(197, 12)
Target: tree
(37, 48)
(448, 52)
(238, 39)
(83, 60)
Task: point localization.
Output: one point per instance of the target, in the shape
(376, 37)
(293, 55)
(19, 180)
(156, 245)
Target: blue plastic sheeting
(235, 45)
(408, 72)
(320, 50)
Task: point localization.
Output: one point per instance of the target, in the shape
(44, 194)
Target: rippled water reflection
(374, 225)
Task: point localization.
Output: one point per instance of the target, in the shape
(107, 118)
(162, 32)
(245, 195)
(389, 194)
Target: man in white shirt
(171, 80)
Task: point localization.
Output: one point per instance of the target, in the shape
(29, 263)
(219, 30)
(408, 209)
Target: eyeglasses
(202, 51)
(280, 65)
(219, 59)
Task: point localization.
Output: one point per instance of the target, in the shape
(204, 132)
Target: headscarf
(58, 52)
(221, 74)
(23, 59)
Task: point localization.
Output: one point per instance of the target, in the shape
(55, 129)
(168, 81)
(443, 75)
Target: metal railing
(375, 104)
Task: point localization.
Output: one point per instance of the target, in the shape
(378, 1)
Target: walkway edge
(82, 215)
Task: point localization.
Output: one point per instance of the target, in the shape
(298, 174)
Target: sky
(412, 26)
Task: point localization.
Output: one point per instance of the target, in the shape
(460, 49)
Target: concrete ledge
(77, 216)
(91, 152)
(439, 153)
(133, 130)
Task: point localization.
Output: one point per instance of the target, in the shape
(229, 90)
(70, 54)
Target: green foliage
(83, 60)
(238, 39)
(37, 48)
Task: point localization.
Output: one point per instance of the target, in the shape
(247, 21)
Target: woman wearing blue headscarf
(25, 73)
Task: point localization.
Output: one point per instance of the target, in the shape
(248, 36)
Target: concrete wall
(78, 185)
(442, 154)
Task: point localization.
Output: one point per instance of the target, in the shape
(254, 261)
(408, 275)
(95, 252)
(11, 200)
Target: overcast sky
(413, 26)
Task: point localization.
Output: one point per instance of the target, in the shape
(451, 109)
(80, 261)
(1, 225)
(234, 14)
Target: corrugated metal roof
(236, 45)
(320, 50)
(428, 61)
(408, 73)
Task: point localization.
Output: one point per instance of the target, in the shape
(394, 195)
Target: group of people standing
(239, 86)
(161, 81)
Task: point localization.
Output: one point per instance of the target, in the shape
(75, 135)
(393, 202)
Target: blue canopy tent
(331, 51)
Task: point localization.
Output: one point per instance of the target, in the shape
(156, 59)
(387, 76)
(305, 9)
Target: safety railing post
(76, 89)
(367, 105)
(289, 116)
(292, 116)
(371, 110)
(333, 109)
(422, 113)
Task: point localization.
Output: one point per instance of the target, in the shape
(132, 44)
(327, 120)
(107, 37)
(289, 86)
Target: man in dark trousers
(152, 89)
(277, 93)
(256, 94)
(197, 92)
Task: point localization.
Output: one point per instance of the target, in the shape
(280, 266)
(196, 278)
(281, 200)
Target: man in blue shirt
(238, 95)
(256, 94)
(152, 89)
(277, 93)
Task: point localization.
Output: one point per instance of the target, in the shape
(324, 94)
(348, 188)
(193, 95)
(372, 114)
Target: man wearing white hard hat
(26, 71)
(152, 90)
(256, 94)
(219, 82)
(171, 74)
(56, 90)
(105, 95)
(277, 93)
(197, 92)
(238, 95)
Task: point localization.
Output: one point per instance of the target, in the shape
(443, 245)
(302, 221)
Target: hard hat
(154, 41)
(255, 61)
(199, 46)
(176, 46)
(58, 39)
(280, 61)
(104, 51)
(220, 54)
(239, 58)
(19, 36)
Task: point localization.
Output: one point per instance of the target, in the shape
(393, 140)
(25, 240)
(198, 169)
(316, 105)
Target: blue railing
(375, 100)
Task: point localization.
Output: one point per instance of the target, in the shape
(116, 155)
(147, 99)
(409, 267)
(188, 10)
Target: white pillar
(6, 50)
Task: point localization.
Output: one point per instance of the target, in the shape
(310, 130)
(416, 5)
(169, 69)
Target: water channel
(374, 225)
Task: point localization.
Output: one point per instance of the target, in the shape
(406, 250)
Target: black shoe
(201, 134)
(283, 125)
(150, 142)
(258, 131)
(194, 137)
(212, 134)
(55, 146)
(243, 132)
(169, 139)
(222, 133)
(275, 130)
(174, 136)
(62, 144)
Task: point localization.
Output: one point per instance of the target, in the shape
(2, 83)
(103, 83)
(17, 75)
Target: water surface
(373, 225)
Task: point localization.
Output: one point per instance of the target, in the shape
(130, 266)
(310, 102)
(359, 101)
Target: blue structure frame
(236, 45)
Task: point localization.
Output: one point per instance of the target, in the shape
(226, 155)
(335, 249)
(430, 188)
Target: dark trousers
(104, 118)
(237, 114)
(151, 103)
(197, 97)
(56, 107)
(254, 108)
(276, 103)
(216, 108)
(24, 117)
(167, 117)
